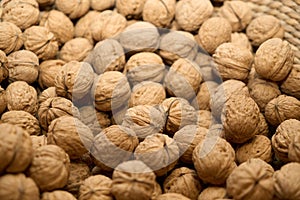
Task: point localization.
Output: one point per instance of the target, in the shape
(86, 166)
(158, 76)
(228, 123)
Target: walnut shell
(53, 108)
(11, 38)
(214, 32)
(282, 108)
(183, 79)
(157, 191)
(110, 91)
(73, 9)
(187, 139)
(251, 180)
(118, 115)
(101, 5)
(46, 94)
(57, 195)
(59, 24)
(119, 141)
(3, 66)
(179, 114)
(108, 55)
(17, 149)
(23, 66)
(204, 95)
(3, 100)
(204, 118)
(294, 150)
(45, 3)
(241, 39)
(290, 84)
(144, 120)
(183, 181)
(48, 71)
(70, 134)
(76, 49)
(263, 28)
(21, 96)
(233, 61)
(147, 93)
(130, 8)
(262, 126)
(144, 66)
(159, 12)
(213, 193)
(213, 159)
(238, 13)
(191, 14)
(50, 167)
(133, 180)
(74, 80)
(40, 41)
(274, 59)
(287, 181)
(140, 36)
(38, 141)
(283, 138)
(172, 196)
(159, 152)
(23, 119)
(26, 10)
(16, 186)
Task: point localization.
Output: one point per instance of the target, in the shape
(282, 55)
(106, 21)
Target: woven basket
(288, 11)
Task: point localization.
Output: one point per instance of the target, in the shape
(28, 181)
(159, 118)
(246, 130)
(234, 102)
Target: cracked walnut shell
(11, 37)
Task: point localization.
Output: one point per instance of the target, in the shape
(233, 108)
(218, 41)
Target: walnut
(38, 141)
(213, 193)
(45, 3)
(21, 96)
(157, 191)
(11, 38)
(216, 130)
(73, 9)
(49, 167)
(3, 100)
(242, 40)
(3, 66)
(191, 14)
(147, 93)
(70, 134)
(183, 181)
(213, 159)
(110, 91)
(96, 187)
(179, 113)
(251, 180)
(78, 173)
(102, 5)
(172, 196)
(294, 150)
(263, 28)
(16, 147)
(76, 49)
(183, 79)
(290, 84)
(118, 115)
(133, 180)
(108, 55)
(23, 119)
(177, 44)
(204, 118)
(282, 108)
(159, 12)
(283, 138)
(214, 32)
(204, 95)
(16, 186)
(26, 10)
(262, 126)
(53, 108)
(263, 91)
(74, 80)
(119, 141)
(108, 24)
(56, 195)
(238, 13)
(144, 66)
(48, 70)
(159, 152)
(130, 8)
(286, 181)
(23, 66)
(274, 59)
(233, 61)
(46, 94)
(59, 24)
(41, 41)
(187, 139)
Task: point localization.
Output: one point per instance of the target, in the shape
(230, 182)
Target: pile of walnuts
(146, 100)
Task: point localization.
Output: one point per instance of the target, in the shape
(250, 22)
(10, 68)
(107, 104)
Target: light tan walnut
(11, 38)
(262, 126)
(204, 95)
(130, 8)
(294, 149)
(101, 5)
(242, 40)
(76, 49)
(38, 141)
(73, 8)
(204, 118)
(290, 84)
(56, 195)
(46, 94)
(45, 3)
(213, 193)
(3, 66)
(172, 196)
(48, 70)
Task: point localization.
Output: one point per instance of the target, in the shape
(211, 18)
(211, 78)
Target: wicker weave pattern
(288, 11)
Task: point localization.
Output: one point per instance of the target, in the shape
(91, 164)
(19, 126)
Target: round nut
(46, 94)
(294, 149)
(11, 38)
(130, 8)
(101, 5)
(262, 126)
(73, 9)
(241, 39)
(38, 141)
(3, 66)
(76, 49)
(204, 95)
(204, 118)
(57, 194)
(290, 84)
(172, 196)
(213, 192)
(48, 70)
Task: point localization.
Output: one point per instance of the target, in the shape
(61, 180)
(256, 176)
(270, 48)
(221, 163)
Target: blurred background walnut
(76, 49)
(172, 196)
(48, 70)
(11, 37)
(57, 194)
(72, 8)
(45, 3)
(101, 5)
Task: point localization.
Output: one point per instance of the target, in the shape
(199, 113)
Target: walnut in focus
(11, 38)
(190, 14)
(48, 70)
(101, 5)
(130, 8)
(23, 66)
(263, 28)
(290, 84)
(56, 195)
(21, 96)
(73, 8)
(213, 193)
(23, 13)
(133, 180)
(76, 49)
(46, 94)
(204, 95)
